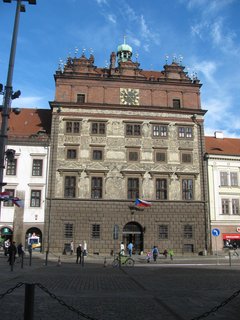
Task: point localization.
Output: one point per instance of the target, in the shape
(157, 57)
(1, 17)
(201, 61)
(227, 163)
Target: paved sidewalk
(182, 289)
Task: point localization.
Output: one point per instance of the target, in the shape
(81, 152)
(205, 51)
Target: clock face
(129, 96)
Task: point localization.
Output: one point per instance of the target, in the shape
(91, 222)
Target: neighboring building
(223, 160)
(122, 133)
(26, 174)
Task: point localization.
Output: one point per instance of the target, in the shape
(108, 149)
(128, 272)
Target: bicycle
(124, 260)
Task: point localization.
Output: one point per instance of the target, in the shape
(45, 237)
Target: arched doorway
(133, 232)
(34, 238)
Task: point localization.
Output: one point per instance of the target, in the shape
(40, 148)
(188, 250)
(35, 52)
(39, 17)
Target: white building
(223, 159)
(26, 175)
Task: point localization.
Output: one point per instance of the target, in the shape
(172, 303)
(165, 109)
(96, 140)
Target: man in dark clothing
(79, 253)
(12, 251)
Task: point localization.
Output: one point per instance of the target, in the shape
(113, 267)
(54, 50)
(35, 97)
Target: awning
(231, 236)
(6, 231)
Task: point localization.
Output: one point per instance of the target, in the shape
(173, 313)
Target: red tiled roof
(224, 146)
(29, 122)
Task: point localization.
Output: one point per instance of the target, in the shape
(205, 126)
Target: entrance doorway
(133, 232)
(34, 238)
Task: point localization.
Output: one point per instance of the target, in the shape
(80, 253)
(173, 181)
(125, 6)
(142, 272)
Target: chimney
(218, 134)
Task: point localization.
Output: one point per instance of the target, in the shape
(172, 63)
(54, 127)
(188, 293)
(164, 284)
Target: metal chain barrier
(222, 304)
(71, 308)
(18, 285)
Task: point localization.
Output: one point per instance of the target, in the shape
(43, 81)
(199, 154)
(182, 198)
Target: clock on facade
(129, 96)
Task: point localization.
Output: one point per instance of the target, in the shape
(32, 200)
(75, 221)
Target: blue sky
(206, 33)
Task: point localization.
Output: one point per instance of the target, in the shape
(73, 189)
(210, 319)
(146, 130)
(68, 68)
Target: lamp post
(9, 95)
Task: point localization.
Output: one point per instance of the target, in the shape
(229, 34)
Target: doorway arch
(133, 232)
(34, 232)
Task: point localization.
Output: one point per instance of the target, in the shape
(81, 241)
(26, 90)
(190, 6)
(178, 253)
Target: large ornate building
(121, 133)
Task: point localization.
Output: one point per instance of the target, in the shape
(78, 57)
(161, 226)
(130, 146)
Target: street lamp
(8, 93)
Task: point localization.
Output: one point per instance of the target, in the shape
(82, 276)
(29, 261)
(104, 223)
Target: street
(183, 289)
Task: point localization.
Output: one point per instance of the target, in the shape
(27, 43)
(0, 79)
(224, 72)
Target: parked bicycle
(123, 261)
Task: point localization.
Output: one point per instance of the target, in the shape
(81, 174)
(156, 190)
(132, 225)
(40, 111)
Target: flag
(4, 196)
(142, 203)
(18, 202)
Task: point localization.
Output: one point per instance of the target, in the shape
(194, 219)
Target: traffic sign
(216, 232)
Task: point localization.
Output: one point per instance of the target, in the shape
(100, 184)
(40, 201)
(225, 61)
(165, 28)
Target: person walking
(165, 253)
(79, 253)
(85, 248)
(171, 254)
(6, 246)
(155, 253)
(122, 249)
(20, 250)
(71, 248)
(130, 248)
(12, 251)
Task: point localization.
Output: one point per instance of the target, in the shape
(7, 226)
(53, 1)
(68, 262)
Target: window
(133, 130)
(187, 189)
(176, 104)
(97, 154)
(98, 128)
(133, 155)
(188, 231)
(68, 231)
(223, 178)
(225, 206)
(186, 157)
(35, 200)
(71, 154)
(163, 231)
(161, 189)
(96, 187)
(235, 206)
(185, 132)
(81, 98)
(72, 127)
(96, 231)
(160, 156)
(160, 130)
(11, 194)
(234, 179)
(70, 187)
(133, 188)
(188, 248)
(11, 167)
(37, 167)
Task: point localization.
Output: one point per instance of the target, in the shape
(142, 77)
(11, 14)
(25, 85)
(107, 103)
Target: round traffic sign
(216, 232)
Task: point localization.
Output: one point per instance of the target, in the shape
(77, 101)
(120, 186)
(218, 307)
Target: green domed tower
(124, 52)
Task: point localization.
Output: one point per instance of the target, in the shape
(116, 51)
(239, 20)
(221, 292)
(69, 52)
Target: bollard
(59, 262)
(83, 260)
(230, 258)
(11, 258)
(29, 301)
(22, 258)
(105, 262)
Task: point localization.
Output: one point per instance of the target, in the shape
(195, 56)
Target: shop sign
(231, 236)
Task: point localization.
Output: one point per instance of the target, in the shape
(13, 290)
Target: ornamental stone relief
(115, 185)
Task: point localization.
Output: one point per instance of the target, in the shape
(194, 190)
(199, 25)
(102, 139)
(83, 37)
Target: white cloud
(207, 68)
(30, 102)
(112, 18)
(102, 2)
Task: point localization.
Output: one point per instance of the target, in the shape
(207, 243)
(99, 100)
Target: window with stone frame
(96, 187)
(97, 154)
(163, 232)
(80, 98)
(188, 231)
(223, 178)
(133, 155)
(132, 188)
(72, 127)
(11, 169)
(235, 206)
(70, 186)
(68, 230)
(71, 153)
(159, 131)
(98, 128)
(186, 157)
(96, 231)
(185, 132)
(225, 206)
(176, 104)
(234, 179)
(37, 167)
(11, 193)
(161, 156)
(133, 130)
(187, 189)
(35, 198)
(161, 189)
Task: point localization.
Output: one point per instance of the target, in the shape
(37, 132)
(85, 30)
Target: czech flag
(142, 203)
(4, 196)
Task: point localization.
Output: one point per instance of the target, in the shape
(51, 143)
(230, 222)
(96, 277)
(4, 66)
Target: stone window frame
(133, 150)
(72, 126)
(68, 230)
(188, 191)
(134, 191)
(163, 178)
(96, 128)
(163, 231)
(37, 167)
(234, 179)
(183, 132)
(94, 189)
(188, 231)
(69, 191)
(94, 151)
(163, 134)
(223, 178)
(225, 206)
(176, 103)
(96, 231)
(235, 207)
(70, 151)
(186, 156)
(130, 129)
(11, 167)
(35, 198)
(160, 151)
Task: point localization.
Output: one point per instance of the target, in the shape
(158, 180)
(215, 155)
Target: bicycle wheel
(130, 262)
(115, 263)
